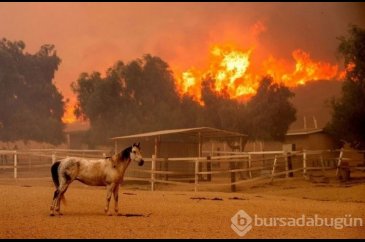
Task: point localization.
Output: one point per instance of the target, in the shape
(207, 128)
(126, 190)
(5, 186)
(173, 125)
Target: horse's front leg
(116, 191)
(109, 190)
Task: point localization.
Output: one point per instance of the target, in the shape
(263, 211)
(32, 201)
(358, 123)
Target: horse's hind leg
(55, 195)
(109, 191)
(115, 193)
(61, 192)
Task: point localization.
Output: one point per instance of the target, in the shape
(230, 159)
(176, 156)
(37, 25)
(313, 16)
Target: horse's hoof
(52, 214)
(109, 214)
(60, 214)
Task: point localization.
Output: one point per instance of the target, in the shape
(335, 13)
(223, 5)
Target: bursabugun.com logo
(242, 222)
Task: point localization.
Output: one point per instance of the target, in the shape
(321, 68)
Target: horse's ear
(138, 145)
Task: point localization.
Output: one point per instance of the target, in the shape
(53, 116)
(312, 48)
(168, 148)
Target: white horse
(107, 172)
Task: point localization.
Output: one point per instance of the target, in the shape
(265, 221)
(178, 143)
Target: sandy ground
(24, 211)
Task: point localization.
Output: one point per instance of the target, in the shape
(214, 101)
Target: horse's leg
(61, 190)
(109, 190)
(55, 195)
(116, 191)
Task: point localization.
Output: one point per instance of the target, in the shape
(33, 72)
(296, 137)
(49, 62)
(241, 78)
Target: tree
(141, 96)
(348, 111)
(137, 97)
(219, 110)
(191, 113)
(269, 113)
(31, 107)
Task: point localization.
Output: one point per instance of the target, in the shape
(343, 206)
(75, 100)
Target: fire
(231, 66)
(231, 70)
(68, 115)
(228, 68)
(307, 70)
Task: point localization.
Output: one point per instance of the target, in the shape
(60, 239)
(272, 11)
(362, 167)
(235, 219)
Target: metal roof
(206, 132)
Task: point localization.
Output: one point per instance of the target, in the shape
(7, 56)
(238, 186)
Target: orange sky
(92, 36)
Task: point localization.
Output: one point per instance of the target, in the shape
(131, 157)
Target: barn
(181, 143)
(304, 139)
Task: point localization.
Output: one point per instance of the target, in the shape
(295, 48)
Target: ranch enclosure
(190, 197)
(200, 159)
(176, 205)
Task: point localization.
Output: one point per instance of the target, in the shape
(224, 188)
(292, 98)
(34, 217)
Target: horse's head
(132, 153)
(135, 154)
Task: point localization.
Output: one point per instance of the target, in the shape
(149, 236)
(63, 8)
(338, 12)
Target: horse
(107, 172)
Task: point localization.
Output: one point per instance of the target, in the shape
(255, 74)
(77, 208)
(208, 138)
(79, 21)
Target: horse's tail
(56, 181)
(54, 171)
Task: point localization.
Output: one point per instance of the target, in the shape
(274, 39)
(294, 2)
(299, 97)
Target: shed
(180, 143)
(304, 139)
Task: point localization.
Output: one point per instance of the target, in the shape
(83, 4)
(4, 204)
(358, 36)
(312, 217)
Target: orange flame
(68, 115)
(230, 69)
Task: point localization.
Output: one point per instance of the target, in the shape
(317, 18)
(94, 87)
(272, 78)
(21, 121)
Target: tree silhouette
(270, 112)
(31, 107)
(348, 116)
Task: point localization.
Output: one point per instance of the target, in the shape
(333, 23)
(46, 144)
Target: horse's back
(93, 172)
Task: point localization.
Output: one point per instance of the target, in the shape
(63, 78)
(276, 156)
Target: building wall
(175, 149)
(314, 141)
(166, 149)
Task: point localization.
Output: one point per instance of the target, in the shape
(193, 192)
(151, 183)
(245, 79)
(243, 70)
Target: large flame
(230, 69)
(69, 116)
(233, 72)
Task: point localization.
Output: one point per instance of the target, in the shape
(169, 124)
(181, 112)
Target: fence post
(196, 175)
(304, 163)
(233, 176)
(166, 167)
(209, 168)
(339, 161)
(322, 164)
(273, 169)
(15, 165)
(249, 165)
(290, 165)
(53, 158)
(286, 164)
(153, 168)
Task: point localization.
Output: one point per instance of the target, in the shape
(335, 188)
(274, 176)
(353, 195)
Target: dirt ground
(24, 211)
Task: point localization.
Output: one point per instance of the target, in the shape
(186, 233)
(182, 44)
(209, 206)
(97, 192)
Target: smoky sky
(92, 36)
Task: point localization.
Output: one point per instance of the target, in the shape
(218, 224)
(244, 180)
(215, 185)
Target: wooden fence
(224, 169)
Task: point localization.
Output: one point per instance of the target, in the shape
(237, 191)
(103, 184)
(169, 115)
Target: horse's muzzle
(141, 162)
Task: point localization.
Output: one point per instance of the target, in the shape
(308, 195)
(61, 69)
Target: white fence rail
(241, 167)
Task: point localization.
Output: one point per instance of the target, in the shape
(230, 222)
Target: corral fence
(219, 169)
(36, 163)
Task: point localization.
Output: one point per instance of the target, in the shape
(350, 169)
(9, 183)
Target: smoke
(92, 36)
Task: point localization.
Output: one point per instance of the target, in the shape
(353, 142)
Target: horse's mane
(125, 153)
